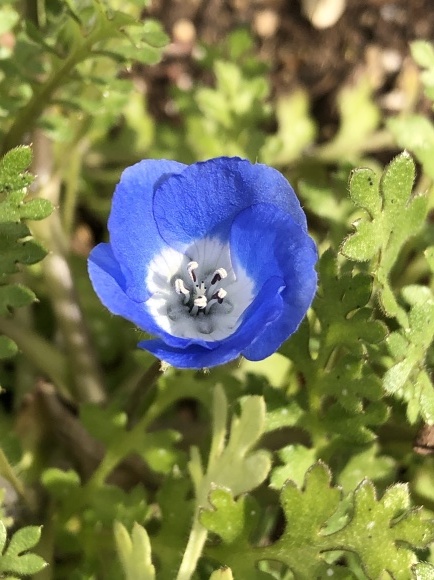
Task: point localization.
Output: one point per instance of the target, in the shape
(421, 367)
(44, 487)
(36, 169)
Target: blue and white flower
(213, 259)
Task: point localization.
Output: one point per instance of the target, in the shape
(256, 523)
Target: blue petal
(109, 283)
(266, 242)
(206, 196)
(134, 236)
(265, 309)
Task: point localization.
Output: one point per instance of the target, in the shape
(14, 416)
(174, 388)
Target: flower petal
(204, 199)
(266, 308)
(265, 242)
(134, 236)
(108, 282)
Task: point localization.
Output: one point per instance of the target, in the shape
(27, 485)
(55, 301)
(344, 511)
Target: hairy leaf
(394, 216)
(17, 246)
(382, 533)
(407, 378)
(15, 559)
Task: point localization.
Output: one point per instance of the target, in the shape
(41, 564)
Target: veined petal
(264, 310)
(265, 242)
(204, 199)
(216, 250)
(108, 282)
(134, 236)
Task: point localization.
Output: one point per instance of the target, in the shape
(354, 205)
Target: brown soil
(371, 34)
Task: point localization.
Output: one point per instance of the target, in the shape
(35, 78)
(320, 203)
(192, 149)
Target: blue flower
(213, 259)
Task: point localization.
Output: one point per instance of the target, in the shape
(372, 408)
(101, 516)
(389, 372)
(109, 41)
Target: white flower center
(196, 294)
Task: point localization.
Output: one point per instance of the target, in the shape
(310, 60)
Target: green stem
(143, 383)
(193, 551)
(9, 474)
(123, 446)
(198, 533)
(41, 97)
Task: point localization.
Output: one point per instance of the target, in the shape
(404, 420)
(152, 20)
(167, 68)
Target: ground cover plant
(310, 456)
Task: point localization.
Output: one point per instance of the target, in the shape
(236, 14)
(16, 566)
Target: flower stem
(198, 533)
(193, 551)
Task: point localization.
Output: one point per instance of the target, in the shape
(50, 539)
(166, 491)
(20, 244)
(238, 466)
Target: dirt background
(370, 35)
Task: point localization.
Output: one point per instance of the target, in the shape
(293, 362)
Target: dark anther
(217, 297)
(216, 278)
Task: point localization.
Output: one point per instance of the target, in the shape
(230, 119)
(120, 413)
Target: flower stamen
(181, 289)
(191, 267)
(216, 298)
(199, 298)
(218, 275)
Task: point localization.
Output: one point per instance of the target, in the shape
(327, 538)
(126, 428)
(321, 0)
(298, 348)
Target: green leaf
(296, 130)
(334, 357)
(364, 184)
(423, 53)
(236, 466)
(134, 552)
(153, 33)
(7, 347)
(297, 459)
(354, 129)
(16, 244)
(13, 170)
(60, 483)
(229, 518)
(224, 573)
(370, 463)
(8, 18)
(415, 133)
(14, 296)
(176, 504)
(14, 560)
(407, 378)
(17, 248)
(423, 571)
(340, 310)
(382, 532)
(109, 425)
(394, 216)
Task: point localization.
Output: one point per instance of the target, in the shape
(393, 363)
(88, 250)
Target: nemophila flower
(213, 259)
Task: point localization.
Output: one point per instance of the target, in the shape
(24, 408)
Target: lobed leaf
(338, 371)
(134, 552)
(13, 558)
(237, 467)
(17, 246)
(229, 518)
(382, 533)
(177, 506)
(394, 215)
(407, 378)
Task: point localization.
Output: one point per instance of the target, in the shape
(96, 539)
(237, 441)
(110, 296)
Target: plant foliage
(297, 467)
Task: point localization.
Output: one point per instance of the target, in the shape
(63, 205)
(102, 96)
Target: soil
(370, 35)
